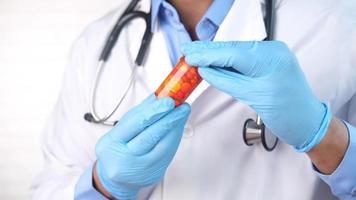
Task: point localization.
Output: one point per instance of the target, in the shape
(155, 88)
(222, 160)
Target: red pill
(190, 75)
(180, 95)
(185, 78)
(180, 83)
(186, 87)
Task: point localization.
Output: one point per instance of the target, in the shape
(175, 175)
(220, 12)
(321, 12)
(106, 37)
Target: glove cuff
(117, 190)
(316, 139)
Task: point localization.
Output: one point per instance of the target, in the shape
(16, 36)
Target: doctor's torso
(212, 161)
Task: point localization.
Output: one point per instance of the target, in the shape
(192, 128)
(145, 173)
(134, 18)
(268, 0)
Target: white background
(35, 37)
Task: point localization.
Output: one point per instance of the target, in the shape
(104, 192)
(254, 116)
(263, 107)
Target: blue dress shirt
(342, 181)
(175, 32)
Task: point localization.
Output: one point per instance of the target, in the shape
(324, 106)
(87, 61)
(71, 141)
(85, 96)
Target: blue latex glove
(266, 76)
(138, 150)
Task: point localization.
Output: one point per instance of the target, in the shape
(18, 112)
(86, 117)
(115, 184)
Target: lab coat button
(188, 131)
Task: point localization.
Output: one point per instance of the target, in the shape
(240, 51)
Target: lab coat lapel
(244, 22)
(157, 64)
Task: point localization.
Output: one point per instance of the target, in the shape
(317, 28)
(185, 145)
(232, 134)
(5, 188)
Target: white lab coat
(212, 161)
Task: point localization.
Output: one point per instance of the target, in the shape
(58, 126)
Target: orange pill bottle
(180, 83)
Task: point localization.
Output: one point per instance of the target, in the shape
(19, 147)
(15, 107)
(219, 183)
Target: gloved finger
(145, 141)
(225, 80)
(251, 58)
(167, 146)
(198, 46)
(221, 54)
(138, 108)
(149, 100)
(142, 116)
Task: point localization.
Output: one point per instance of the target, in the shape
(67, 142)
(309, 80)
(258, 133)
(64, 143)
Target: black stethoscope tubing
(130, 14)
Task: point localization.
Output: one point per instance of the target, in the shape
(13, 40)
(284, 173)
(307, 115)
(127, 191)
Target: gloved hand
(266, 76)
(138, 150)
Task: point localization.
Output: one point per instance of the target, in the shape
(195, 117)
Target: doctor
(304, 88)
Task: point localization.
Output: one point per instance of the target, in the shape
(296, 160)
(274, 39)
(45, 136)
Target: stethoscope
(253, 130)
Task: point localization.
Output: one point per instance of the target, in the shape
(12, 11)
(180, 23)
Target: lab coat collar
(155, 5)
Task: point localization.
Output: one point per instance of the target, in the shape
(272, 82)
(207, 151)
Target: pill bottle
(180, 82)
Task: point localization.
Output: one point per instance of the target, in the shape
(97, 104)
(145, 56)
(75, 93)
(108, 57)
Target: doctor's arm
(266, 76)
(341, 177)
(67, 140)
(328, 154)
(130, 158)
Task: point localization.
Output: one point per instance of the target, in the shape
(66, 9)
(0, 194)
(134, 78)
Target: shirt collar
(154, 12)
(215, 13)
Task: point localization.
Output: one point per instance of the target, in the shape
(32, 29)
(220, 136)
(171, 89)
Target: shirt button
(353, 192)
(168, 13)
(188, 131)
(206, 23)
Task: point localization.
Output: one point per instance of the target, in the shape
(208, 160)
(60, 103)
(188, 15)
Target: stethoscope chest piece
(254, 132)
